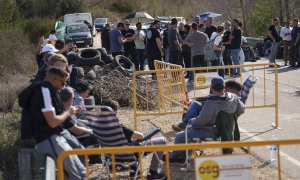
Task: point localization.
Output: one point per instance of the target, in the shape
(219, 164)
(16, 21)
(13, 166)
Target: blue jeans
(274, 50)
(140, 57)
(219, 62)
(192, 133)
(235, 59)
(193, 111)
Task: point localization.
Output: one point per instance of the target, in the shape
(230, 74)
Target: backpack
(26, 118)
(208, 51)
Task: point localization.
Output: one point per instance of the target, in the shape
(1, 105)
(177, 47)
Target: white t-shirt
(52, 37)
(217, 40)
(285, 33)
(139, 39)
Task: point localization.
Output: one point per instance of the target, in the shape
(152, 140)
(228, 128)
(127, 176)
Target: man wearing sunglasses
(48, 116)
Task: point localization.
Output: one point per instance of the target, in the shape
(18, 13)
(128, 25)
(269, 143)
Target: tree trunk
(243, 15)
(280, 11)
(287, 11)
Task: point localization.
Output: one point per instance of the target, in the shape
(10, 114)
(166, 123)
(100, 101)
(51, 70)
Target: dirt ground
(260, 168)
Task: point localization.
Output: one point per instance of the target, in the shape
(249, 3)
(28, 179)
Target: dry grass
(17, 65)
(9, 133)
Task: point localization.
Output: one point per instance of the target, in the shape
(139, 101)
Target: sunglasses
(63, 83)
(127, 24)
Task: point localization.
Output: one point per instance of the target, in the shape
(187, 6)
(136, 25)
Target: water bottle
(273, 150)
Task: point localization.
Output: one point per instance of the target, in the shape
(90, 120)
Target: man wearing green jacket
(218, 101)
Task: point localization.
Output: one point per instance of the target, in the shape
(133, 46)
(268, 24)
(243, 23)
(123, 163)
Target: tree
(8, 11)
(262, 16)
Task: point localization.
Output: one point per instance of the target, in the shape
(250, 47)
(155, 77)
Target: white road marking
(283, 154)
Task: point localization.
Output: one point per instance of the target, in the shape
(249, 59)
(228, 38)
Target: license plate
(79, 41)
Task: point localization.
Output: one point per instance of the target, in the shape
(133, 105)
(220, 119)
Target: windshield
(102, 20)
(78, 28)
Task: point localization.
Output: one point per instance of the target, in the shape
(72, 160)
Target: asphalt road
(256, 124)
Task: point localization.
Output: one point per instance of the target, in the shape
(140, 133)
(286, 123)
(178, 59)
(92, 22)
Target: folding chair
(227, 128)
(247, 85)
(106, 127)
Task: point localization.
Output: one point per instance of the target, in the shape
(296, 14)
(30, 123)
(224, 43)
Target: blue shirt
(115, 46)
(295, 30)
(78, 101)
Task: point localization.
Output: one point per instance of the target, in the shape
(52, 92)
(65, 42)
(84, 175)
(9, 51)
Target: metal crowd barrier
(166, 148)
(167, 92)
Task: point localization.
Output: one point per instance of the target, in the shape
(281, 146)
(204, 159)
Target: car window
(78, 28)
(100, 20)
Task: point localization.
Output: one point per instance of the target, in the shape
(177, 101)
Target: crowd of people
(177, 43)
(56, 98)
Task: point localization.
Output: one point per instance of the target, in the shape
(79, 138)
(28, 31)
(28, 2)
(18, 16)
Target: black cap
(59, 44)
(83, 86)
(120, 24)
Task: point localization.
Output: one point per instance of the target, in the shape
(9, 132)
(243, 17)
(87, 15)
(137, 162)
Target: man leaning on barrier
(218, 101)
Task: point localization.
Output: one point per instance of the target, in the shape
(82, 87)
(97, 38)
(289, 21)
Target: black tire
(102, 51)
(91, 75)
(108, 59)
(125, 63)
(88, 57)
(86, 69)
(101, 63)
(80, 72)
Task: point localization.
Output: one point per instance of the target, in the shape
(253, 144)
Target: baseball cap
(49, 48)
(217, 81)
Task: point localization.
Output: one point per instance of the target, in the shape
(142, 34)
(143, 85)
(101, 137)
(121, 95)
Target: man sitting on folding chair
(110, 133)
(231, 86)
(217, 102)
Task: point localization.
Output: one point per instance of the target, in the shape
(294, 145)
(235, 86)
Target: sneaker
(190, 83)
(178, 127)
(154, 175)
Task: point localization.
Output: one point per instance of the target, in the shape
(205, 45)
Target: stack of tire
(92, 64)
(90, 60)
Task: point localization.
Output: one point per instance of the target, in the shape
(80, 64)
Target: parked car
(80, 18)
(79, 34)
(180, 19)
(100, 23)
(164, 18)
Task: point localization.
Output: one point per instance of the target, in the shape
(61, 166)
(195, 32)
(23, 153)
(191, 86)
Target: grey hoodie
(229, 103)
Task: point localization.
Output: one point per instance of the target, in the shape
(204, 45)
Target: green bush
(99, 11)
(122, 7)
(17, 65)
(36, 27)
(261, 17)
(9, 133)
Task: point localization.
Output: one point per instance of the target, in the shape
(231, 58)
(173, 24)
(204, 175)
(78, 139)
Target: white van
(79, 18)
